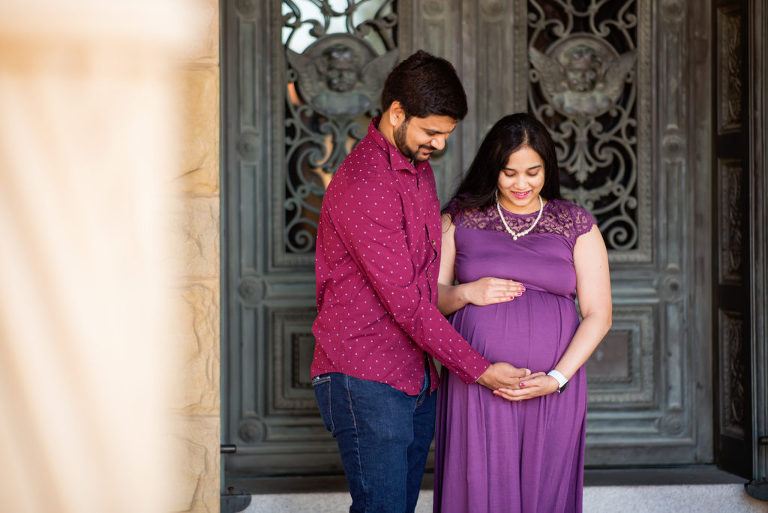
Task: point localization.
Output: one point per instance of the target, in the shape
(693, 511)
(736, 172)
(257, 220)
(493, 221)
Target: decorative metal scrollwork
(583, 56)
(730, 49)
(731, 222)
(338, 54)
(734, 400)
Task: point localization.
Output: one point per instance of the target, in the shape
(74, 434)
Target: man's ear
(396, 113)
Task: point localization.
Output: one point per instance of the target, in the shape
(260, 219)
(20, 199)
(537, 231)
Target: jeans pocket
(322, 387)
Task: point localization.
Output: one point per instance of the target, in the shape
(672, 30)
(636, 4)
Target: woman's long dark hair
(509, 134)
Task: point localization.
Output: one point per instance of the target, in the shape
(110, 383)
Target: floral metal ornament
(583, 85)
(337, 57)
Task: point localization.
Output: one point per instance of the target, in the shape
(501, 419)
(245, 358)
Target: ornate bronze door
(614, 83)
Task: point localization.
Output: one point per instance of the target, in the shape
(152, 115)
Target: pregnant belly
(532, 331)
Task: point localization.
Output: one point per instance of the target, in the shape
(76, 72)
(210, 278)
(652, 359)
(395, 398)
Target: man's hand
(534, 386)
(504, 375)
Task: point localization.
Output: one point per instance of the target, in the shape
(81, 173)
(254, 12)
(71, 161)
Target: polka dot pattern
(376, 266)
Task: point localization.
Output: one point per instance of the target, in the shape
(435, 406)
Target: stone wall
(197, 408)
(90, 351)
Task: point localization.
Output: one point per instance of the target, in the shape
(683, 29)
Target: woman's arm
(593, 288)
(485, 291)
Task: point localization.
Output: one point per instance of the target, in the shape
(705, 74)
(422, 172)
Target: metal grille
(337, 55)
(582, 86)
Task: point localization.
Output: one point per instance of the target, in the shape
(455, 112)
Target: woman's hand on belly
(537, 386)
(482, 292)
(489, 291)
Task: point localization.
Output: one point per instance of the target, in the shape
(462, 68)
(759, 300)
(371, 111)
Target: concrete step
(700, 498)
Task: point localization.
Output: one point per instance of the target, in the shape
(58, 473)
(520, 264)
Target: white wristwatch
(561, 380)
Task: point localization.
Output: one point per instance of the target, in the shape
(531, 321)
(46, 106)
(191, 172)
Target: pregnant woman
(515, 257)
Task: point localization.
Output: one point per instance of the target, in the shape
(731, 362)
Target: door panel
(733, 447)
(626, 142)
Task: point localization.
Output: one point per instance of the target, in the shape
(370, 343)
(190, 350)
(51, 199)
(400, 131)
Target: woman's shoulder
(473, 218)
(568, 207)
(571, 215)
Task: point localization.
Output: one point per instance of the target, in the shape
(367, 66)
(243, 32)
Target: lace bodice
(559, 217)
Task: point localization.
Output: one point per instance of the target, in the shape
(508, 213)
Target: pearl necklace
(514, 235)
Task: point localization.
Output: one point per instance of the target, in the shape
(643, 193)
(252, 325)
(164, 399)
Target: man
(377, 261)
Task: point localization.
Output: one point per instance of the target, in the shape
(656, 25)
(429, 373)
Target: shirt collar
(396, 159)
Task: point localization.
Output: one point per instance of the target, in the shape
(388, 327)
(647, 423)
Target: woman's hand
(536, 386)
(485, 291)
(488, 291)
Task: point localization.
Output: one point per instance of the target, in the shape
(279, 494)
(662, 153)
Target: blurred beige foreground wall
(88, 152)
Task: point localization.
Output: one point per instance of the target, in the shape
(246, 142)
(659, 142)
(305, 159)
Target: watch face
(562, 387)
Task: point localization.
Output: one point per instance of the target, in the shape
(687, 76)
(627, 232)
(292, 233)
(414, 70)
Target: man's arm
(375, 238)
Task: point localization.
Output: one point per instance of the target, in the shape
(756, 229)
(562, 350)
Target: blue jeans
(383, 436)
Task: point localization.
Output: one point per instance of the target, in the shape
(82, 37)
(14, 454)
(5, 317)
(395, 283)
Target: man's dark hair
(509, 134)
(425, 85)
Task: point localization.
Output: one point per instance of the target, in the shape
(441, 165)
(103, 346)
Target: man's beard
(402, 145)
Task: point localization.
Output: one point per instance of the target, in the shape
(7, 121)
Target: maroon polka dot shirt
(377, 261)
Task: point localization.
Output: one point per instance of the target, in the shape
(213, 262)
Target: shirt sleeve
(370, 221)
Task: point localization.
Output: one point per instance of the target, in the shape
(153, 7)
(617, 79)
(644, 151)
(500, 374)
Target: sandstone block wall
(197, 406)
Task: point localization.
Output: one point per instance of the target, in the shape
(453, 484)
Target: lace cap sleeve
(582, 220)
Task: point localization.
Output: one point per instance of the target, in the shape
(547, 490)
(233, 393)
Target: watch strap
(562, 381)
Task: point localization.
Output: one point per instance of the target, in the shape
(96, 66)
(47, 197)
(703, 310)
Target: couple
(507, 262)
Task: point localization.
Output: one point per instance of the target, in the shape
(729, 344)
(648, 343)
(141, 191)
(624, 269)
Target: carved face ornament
(339, 67)
(582, 75)
(583, 67)
(340, 76)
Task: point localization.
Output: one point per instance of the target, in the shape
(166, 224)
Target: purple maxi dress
(492, 455)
